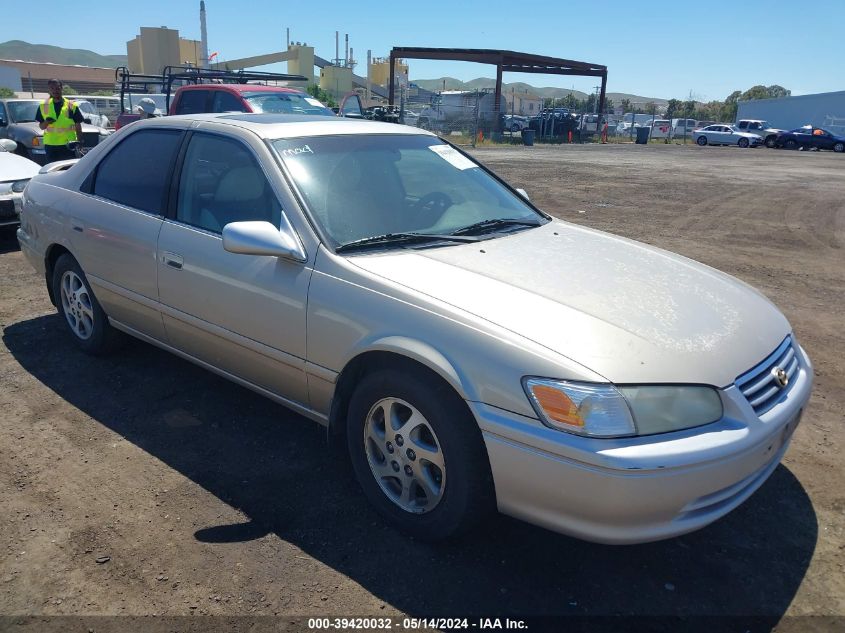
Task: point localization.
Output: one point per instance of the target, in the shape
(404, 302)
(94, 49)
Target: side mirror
(261, 238)
(3, 122)
(523, 193)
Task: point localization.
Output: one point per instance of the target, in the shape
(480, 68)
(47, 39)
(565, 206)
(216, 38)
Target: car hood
(629, 312)
(14, 167)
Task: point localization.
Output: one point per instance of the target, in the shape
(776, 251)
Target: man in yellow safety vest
(61, 121)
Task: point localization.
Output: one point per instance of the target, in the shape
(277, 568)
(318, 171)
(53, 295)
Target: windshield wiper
(494, 223)
(401, 238)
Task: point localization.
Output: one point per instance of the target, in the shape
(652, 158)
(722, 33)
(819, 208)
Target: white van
(683, 127)
(661, 128)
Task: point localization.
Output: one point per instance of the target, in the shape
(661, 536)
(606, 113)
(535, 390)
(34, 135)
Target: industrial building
(32, 77)
(825, 110)
(155, 48)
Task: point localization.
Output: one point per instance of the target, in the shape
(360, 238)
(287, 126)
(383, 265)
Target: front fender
(423, 353)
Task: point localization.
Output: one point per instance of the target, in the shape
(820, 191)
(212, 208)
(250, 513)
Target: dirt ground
(140, 484)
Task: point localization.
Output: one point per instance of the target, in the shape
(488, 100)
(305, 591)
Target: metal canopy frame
(505, 61)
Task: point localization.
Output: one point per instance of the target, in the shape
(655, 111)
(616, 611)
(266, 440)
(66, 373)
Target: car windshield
(285, 103)
(361, 186)
(22, 111)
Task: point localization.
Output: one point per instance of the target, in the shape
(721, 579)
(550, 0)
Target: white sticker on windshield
(314, 102)
(452, 156)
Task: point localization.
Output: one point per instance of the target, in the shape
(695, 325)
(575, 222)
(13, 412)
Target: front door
(243, 314)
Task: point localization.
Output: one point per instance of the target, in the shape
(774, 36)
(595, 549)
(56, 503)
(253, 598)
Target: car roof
(239, 88)
(276, 126)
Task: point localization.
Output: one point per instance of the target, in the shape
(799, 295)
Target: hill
(17, 49)
(482, 82)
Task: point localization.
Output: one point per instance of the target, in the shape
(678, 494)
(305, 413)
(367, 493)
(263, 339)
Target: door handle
(173, 260)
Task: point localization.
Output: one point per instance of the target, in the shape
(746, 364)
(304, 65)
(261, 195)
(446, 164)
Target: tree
(626, 105)
(69, 90)
(673, 108)
(6, 93)
(608, 105)
(321, 95)
(776, 92)
(651, 107)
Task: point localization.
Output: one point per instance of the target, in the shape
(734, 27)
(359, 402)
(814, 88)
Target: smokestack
(346, 52)
(203, 36)
(337, 48)
(351, 61)
(369, 83)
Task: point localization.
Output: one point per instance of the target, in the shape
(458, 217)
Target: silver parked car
(726, 135)
(471, 351)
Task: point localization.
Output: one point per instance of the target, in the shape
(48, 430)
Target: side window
(226, 102)
(3, 116)
(192, 102)
(221, 182)
(743, 125)
(136, 173)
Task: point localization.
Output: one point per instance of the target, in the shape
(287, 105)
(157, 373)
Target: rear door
(114, 229)
(242, 314)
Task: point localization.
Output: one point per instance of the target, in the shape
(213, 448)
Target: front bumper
(10, 209)
(635, 490)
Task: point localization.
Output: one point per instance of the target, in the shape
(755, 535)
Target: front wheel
(82, 313)
(743, 142)
(701, 140)
(771, 141)
(839, 147)
(418, 454)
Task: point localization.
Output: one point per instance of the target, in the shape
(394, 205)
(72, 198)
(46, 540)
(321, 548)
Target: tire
(839, 147)
(743, 142)
(701, 140)
(426, 472)
(771, 141)
(791, 143)
(80, 310)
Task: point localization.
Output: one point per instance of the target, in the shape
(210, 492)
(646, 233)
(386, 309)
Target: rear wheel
(82, 313)
(839, 147)
(701, 140)
(791, 143)
(743, 142)
(418, 454)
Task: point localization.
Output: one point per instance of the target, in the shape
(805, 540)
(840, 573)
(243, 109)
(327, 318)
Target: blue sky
(649, 50)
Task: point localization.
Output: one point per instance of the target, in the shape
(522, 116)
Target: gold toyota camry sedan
(472, 352)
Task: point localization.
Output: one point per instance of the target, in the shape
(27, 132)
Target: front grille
(7, 210)
(760, 385)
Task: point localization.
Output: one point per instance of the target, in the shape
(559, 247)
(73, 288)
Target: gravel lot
(140, 484)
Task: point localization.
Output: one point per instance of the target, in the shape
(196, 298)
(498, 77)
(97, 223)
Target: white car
(726, 135)
(15, 172)
(91, 114)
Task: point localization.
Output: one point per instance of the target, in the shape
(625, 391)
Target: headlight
(601, 410)
(36, 141)
(19, 185)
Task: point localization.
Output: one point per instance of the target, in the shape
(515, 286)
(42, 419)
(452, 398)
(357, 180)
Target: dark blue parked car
(809, 136)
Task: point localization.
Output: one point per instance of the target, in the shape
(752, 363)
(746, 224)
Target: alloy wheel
(405, 455)
(77, 305)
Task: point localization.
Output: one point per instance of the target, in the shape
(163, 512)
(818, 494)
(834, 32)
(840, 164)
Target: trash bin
(642, 135)
(528, 137)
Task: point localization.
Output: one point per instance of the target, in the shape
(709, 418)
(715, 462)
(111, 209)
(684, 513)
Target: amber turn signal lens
(557, 405)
